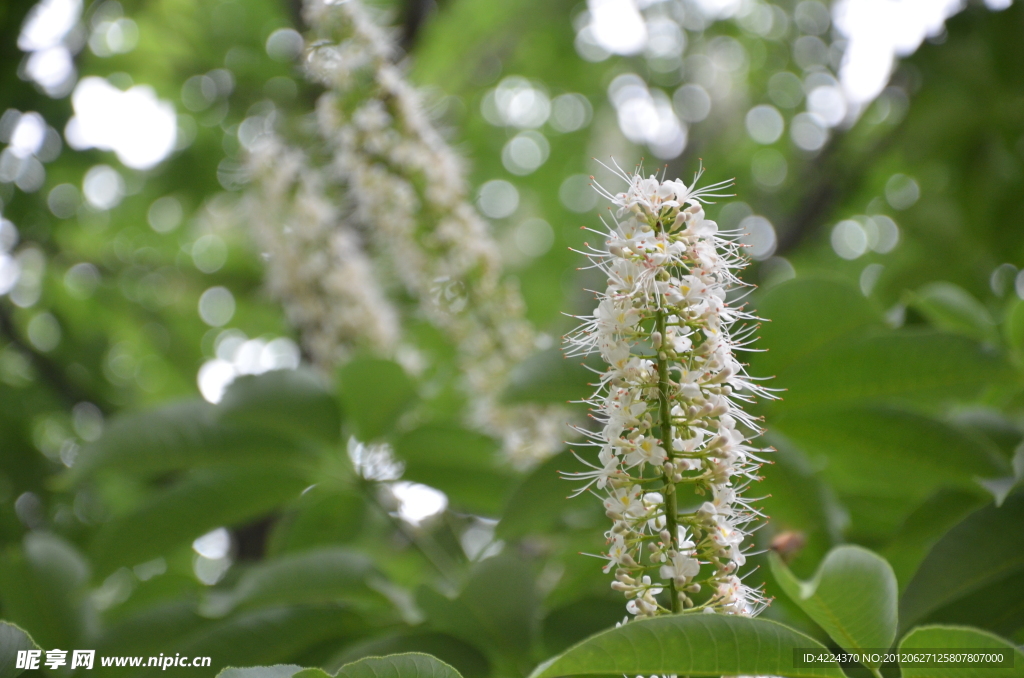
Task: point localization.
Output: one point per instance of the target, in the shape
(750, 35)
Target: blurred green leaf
(799, 502)
(465, 658)
(268, 636)
(311, 577)
(550, 377)
(907, 364)
(951, 308)
(997, 607)
(292, 403)
(462, 464)
(276, 671)
(987, 547)
(182, 436)
(409, 665)
(1013, 327)
(838, 307)
(323, 515)
(496, 609)
(374, 393)
(581, 576)
(45, 590)
(925, 526)
(567, 625)
(954, 638)
(12, 640)
(871, 449)
(152, 630)
(539, 501)
(692, 645)
(853, 597)
(1002, 487)
(200, 503)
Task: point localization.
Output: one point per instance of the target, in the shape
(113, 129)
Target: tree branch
(416, 13)
(51, 372)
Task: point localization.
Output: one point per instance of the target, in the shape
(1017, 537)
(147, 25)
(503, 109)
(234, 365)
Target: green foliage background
(900, 429)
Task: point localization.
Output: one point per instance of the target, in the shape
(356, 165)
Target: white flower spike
(316, 263)
(381, 194)
(669, 404)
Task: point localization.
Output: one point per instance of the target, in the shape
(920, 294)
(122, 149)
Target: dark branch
(416, 13)
(295, 11)
(50, 371)
(836, 177)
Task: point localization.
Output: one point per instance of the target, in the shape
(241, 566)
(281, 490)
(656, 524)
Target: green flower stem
(666, 440)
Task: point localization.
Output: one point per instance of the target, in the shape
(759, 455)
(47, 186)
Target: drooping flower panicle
(673, 443)
(401, 206)
(316, 263)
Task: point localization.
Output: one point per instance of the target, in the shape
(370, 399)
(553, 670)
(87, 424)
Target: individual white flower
(625, 501)
(599, 475)
(643, 450)
(681, 570)
(618, 554)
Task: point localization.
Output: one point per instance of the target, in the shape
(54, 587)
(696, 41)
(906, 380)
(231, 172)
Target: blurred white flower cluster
(390, 194)
(318, 267)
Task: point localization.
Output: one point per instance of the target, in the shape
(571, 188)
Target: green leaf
(853, 597)
(12, 639)
(496, 609)
(987, 547)
(539, 501)
(997, 607)
(923, 365)
(839, 309)
(690, 645)
(567, 625)
(181, 436)
(550, 377)
(862, 447)
(799, 502)
(276, 671)
(373, 394)
(319, 576)
(959, 637)
(925, 526)
(462, 464)
(411, 665)
(465, 658)
(1001, 488)
(323, 515)
(45, 590)
(1013, 327)
(154, 628)
(292, 403)
(951, 308)
(189, 509)
(268, 636)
